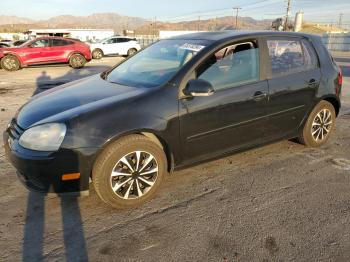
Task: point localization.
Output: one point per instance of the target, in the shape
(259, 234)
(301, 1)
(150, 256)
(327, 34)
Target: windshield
(24, 44)
(156, 64)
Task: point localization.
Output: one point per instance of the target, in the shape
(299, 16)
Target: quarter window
(290, 56)
(231, 66)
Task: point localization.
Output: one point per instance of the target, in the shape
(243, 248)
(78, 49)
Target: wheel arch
(152, 135)
(21, 64)
(97, 48)
(329, 98)
(334, 101)
(75, 53)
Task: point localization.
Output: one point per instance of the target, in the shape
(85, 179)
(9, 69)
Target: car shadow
(45, 81)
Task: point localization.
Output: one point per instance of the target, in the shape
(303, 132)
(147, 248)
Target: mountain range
(119, 22)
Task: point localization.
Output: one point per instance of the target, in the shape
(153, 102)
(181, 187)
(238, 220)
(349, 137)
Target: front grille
(15, 130)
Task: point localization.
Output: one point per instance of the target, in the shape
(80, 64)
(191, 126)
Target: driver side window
(41, 43)
(231, 66)
(111, 41)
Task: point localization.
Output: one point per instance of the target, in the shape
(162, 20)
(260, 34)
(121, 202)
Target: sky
(177, 10)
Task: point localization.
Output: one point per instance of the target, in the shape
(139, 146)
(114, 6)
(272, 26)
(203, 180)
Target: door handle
(259, 96)
(312, 83)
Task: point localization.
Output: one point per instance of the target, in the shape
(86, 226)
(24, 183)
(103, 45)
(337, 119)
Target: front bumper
(42, 171)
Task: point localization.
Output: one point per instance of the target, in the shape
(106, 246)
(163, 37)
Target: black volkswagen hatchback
(178, 102)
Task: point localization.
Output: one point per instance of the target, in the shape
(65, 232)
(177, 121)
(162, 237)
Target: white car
(115, 45)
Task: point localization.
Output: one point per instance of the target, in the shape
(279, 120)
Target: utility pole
(236, 9)
(155, 25)
(340, 22)
(287, 16)
(199, 21)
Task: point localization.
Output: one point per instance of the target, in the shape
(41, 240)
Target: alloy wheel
(322, 125)
(10, 63)
(134, 175)
(98, 54)
(77, 61)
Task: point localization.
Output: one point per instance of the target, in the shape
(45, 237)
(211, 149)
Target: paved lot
(280, 202)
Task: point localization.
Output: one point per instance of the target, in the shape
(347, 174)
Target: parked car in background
(45, 50)
(115, 45)
(4, 45)
(19, 42)
(178, 102)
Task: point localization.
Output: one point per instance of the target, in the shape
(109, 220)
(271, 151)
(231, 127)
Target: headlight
(46, 137)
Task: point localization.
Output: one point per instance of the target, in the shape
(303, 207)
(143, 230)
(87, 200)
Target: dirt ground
(281, 202)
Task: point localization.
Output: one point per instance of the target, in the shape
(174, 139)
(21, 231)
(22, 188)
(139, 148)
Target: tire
(115, 190)
(77, 61)
(319, 125)
(97, 54)
(132, 51)
(10, 63)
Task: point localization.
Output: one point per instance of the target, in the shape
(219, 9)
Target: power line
(212, 12)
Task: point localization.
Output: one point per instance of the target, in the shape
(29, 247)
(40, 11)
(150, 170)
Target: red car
(45, 50)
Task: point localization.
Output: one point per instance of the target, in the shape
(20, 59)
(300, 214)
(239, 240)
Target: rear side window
(123, 40)
(231, 66)
(291, 56)
(60, 42)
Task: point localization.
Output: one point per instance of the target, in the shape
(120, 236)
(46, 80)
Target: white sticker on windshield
(192, 47)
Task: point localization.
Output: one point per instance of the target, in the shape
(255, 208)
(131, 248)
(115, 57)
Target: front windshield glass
(156, 64)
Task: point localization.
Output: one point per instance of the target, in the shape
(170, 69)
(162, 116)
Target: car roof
(54, 37)
(229, 34)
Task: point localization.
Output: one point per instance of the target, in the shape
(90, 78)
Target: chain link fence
(337, 42)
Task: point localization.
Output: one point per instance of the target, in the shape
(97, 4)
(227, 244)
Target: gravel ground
(280, 202)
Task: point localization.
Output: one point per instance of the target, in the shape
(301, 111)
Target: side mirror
(199, 87)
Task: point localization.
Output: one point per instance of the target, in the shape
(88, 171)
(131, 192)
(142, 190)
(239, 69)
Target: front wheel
(319, 125)
(129, 171)
(97, 54)
(132, 51)
(77, 61)
(10, 63)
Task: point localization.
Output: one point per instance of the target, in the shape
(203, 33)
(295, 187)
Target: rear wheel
(77, 61)
(10, 63)
(97, 54)
(132, 51)
(129, 171)
(319, 125)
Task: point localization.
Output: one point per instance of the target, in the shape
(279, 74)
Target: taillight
(340, 77)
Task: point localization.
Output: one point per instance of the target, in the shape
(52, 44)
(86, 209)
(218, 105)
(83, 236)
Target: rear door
(60, 49)
(234, 116)
(293, 82)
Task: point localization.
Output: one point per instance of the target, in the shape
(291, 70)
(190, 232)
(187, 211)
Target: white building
(13, 36)
(82, 34)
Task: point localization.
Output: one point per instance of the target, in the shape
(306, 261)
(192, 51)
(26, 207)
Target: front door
(234, 116)
(110, 46)
(37, 51)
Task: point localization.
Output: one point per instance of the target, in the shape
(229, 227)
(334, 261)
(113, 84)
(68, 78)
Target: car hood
(71, 99)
